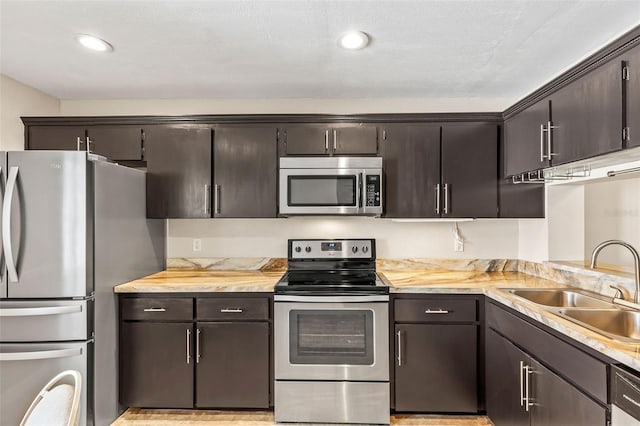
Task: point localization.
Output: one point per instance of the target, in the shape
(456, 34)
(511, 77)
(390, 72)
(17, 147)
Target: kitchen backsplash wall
(484, 239)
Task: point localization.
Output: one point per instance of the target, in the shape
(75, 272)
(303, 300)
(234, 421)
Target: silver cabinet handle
(89, 142)
(28, 356)
(631, 400)
(6, 224)
(550, 153)
(78, 143)
(527, 371)
(45, 310)
(231, 310)
(521, 384)
(399, 348)
(216, 198)
(542, 156)
(437, 198)
(335, 140)
(326, 140)
(207, 199)
(436, 311)
(446, 199)
(197, 346)
(155, 310)
(188, 346)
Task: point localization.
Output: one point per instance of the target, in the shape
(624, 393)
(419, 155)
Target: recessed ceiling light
(353, 40)
(93, 43)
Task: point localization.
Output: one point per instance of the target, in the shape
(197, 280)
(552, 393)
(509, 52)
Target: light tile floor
(142, 417)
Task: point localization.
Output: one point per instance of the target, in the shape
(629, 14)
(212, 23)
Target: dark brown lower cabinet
(436, 368)
(232, 366)
(155, 368)
(521, 391)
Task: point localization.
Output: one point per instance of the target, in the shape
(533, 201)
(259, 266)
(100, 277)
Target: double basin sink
(588, 310)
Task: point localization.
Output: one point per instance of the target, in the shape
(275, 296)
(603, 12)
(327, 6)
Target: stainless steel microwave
(331, 186)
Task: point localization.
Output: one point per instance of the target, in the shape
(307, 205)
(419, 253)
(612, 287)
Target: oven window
(331, 337)
(322, 191)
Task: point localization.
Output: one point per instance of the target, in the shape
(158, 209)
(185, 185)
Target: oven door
(321, 191)
(332, 338)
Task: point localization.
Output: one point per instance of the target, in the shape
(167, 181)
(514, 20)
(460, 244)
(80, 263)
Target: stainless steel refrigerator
(72, 227)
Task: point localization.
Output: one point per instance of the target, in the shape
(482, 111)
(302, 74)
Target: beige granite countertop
(400, 281)
(202, 281)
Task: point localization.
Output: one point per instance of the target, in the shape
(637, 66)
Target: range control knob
(365, 249)
(354, 249)
(307, 249)
(298, 249)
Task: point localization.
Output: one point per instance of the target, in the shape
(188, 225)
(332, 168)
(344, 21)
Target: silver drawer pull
(155, 310)
(46, 310)
(436, 311)
(631, 400)
(231, 310)
(28, 356)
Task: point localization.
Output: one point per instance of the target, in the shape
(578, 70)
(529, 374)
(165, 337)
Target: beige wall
(612, 211)
(278, 106)
(16, 100)
(484, 239)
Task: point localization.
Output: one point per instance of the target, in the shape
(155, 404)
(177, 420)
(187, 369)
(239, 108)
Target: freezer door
(3, 181)
(47, 231)
(45, 320)
(26, 368)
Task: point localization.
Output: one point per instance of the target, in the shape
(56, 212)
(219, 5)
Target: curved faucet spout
(636, 260)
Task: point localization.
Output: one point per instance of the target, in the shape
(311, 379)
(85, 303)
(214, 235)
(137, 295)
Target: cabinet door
(469, 170)
(556, 402)
(178, 171)
(155, 368)
(411, 162)
(233, 365)
(56, 138)
(587, 115)
(245, 170)
(306, 139)
(521, 200)
(522, 139)
(504, 381)
(633, 97)
(119, 142)
(436, 368)
(355, 140)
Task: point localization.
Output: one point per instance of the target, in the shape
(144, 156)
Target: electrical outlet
(458, 244)
(197, 244)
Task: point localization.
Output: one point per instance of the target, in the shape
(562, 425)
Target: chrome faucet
(636, 260)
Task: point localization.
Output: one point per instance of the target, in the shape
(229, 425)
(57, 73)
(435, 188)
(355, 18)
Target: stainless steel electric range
(332, 335)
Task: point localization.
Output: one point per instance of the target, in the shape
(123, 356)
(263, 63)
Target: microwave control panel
(373, 190)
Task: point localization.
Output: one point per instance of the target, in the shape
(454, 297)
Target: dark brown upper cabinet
(524, 140)
(581, 120)
(178, 171)
(440, 170)
(586, 116)
(320, 139)
(632, 80)
(469, 170)
(116, 142)
(245, 171)
(67, 138)
(411, 163)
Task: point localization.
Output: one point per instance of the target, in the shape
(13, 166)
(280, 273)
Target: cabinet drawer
(178, 309)
(226, 309)
(435, 310)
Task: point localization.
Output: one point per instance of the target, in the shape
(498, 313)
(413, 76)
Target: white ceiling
(287, 49)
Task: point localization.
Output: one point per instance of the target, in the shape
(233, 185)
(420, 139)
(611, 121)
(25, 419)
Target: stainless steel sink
(621, 325)
(563, 298)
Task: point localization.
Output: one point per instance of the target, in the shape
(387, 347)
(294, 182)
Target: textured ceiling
(287, 49)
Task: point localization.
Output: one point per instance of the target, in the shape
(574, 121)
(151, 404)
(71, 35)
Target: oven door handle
(329, 299)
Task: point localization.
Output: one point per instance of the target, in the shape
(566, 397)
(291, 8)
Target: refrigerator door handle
(47, 310)
(28, 356)
(6, 224)
(1, 202)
